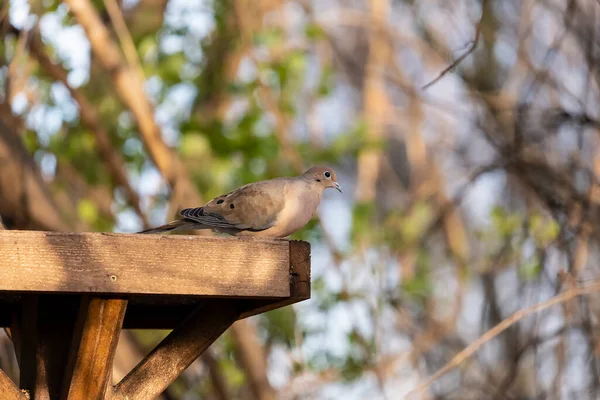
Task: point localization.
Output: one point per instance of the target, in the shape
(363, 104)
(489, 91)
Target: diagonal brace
(178, 350)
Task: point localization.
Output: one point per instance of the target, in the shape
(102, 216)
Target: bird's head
(324, 177)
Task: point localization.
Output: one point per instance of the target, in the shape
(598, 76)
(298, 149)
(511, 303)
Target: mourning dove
(272, 208)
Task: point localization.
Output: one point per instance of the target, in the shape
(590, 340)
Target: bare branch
(217, 380)
(501, 327)
(130, 88)
(26, 201)
(375, 100)
(89, 116)
(460, 59)
(129, 50)
(253, 359)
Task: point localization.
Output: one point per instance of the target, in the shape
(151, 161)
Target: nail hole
(113, 278)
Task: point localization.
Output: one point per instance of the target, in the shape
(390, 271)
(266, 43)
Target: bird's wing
(254, 207)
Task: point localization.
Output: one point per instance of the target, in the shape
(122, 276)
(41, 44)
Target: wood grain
(143, 264)
(90, 368)
(299, 282)
(9, 390)
(177, 351)
(65, 342)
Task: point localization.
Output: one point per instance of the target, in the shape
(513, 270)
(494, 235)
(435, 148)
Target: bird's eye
(327, 174)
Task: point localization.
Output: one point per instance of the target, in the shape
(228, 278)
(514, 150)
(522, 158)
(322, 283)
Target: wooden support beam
(143, 264)
(89, 371)
(178, 350)
(9, 390)
(65, 345)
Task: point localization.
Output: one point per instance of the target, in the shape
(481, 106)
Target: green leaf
(235, 377)
(506, 224)
(148, 46)
(269, 37)
(315, 32)
(194, 145)
(530, 270)
(169, 67)
(31, 142)
(416, 222)
(419, 287)
(362, 216)
(353, 368)
(281, 325)
(87, 211)
(544, 230)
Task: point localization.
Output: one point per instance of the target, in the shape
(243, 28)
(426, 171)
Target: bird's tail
(177, 224)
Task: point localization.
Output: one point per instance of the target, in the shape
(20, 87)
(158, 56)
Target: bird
(271, 208)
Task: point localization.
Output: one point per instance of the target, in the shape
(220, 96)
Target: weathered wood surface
(65, 295)
(143, 264)
(89, 371)
(178, 350)
(299, 282)
(8, 389)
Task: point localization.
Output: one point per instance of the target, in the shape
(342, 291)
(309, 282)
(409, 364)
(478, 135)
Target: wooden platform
(66, 296)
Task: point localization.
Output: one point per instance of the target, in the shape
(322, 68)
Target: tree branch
(460, 59)
(26, 202)
(130, 88)
(89, 116)
(501, 327)
(375, 100)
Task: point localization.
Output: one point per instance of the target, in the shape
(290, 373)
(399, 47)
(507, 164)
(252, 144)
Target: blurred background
(465, 134)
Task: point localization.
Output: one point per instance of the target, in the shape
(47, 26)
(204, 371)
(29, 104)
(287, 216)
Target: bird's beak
(337, 186)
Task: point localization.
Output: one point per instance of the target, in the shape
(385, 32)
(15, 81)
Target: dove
(271, 208)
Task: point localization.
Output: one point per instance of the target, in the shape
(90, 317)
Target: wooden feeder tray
(65, 297)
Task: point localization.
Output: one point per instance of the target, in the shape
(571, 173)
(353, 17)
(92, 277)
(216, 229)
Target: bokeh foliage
(464, 201)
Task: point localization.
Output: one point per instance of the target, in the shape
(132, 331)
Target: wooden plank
(143, 264)
(299, 282)
(9, 390)
(177, 351)
(90, 369)
(166, 312)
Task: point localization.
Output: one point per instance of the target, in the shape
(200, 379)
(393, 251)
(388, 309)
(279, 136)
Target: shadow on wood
(66, 296)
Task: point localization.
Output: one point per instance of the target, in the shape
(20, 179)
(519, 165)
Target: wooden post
(177, 351)
(90, 370)
(66, 345)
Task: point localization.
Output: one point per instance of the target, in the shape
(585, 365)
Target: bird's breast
(300, 207)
